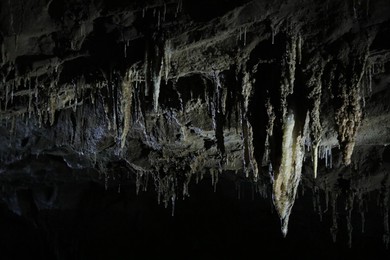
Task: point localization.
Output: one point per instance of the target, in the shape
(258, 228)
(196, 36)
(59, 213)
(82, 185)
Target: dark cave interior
(194, 129)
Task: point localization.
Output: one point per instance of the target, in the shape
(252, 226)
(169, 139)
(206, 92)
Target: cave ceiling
(283, 95)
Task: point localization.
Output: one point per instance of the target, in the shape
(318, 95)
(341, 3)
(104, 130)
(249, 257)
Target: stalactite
(349, 115)
(186, 183)
(287, 174)
(299, 49)
(167, 58)
(325, 152)
(354, 9)
(114, 97)
(272, 35)
(288, 72)
(179, 7)
(126, 103)
(270, 126)
(348, 125)
(217, 114)
(157, 73)
(252, 161)
(249, 161)
(146, 72)
(314, 71)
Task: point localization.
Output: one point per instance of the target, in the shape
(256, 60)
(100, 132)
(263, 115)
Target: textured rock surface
(166, 92)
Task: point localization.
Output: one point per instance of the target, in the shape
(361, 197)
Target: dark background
(208, 225)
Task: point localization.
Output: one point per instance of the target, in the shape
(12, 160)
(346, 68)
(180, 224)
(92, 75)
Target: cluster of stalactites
(29, 99)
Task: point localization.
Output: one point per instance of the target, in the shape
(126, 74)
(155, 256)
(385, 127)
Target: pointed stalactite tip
(284, 226)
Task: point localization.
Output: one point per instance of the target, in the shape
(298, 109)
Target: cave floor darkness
(207, 225)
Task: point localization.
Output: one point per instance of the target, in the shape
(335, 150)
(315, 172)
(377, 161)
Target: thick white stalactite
(288, 173)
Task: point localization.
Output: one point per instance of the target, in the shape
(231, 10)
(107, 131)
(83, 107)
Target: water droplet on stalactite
(287, 174)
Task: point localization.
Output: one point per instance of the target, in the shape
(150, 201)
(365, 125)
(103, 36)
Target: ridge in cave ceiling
(285, 96)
